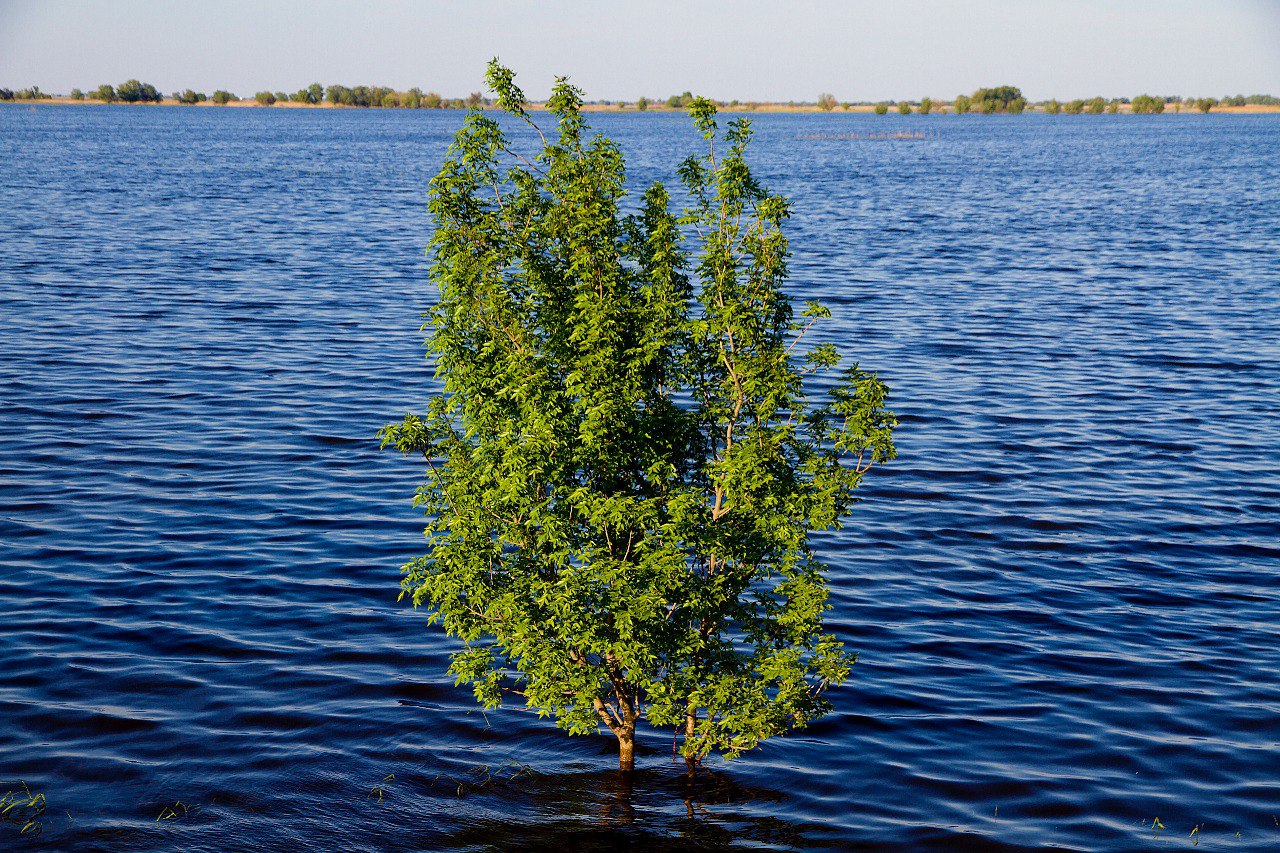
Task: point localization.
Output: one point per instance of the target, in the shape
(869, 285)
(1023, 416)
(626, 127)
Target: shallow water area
(1063, 592)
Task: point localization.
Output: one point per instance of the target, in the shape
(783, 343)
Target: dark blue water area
(1064, 593)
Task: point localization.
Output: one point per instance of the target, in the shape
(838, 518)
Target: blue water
(1064, 591)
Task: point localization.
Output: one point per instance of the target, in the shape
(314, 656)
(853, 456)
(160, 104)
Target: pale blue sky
(747, 49)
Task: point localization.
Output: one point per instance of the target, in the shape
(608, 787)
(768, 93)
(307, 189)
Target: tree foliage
(265, 98)
(135, 91)
(624, 464)
(926, 106)
(962, 104)
(827, 101)
(1147, 104)
(881, 108)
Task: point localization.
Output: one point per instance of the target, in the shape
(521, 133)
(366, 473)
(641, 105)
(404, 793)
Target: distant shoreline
(754, 107)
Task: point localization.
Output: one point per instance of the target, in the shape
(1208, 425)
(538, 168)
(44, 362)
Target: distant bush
(222, 97)
(1262, 100)
(187, 96)
(136, 92)
(1052, 107)
(413, 98)
(76, 95)
(904, 107)
(926, 106)
(266, 99)
(105, 93)
(642, 103)
(1073, 108)
(31, 94)
(827, 101)
(680, 101)
(1000, 99)
(1146, 104)
(962, 104)
(1114, 106)
(881, 108)
(1205, 104)
(1097, 105)
(431, 100)
(390, 100)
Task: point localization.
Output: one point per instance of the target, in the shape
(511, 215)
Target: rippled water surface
(1064, 592)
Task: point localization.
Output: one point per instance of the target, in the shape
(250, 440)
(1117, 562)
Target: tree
(1147, 104)
(1097, 105)
(1052, 107)
(135, 91)
(881, 108)
(962, 104)
(926, 106)
(105, 93)
(431, 100)
(904, 107)
(76, 95)
(315, 93)
(679, 102)
(642, 103)
(222, 97)
(1073, 107)
(624, 465)
(1002, 99)
(827, 101)
(265, 99)
(187, 96)
(1205, 104)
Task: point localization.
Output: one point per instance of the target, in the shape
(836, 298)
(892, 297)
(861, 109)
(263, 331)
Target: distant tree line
(998, 99)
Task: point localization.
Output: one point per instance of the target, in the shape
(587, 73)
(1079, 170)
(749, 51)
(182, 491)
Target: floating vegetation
(379, 790)
(24, 809)
(176, 811)
(902, 134)
(479, 779)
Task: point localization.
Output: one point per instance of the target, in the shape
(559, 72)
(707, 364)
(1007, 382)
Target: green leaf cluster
(624, 466)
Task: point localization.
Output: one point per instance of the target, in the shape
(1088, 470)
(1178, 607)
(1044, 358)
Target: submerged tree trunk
(627, 748)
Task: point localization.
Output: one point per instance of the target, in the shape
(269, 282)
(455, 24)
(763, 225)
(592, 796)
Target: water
(1063, 592)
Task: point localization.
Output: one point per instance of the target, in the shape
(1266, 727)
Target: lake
(1065, 593)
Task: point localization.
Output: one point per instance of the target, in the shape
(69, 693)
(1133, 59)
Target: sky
(781, 50)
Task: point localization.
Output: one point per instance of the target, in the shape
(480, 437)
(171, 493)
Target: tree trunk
(627, 748)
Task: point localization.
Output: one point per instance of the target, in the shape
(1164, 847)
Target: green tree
(642, 103)
(77, 95)
(624, 465)
(265, 99)
(1097, 105)
(827, 101)
(1073, 107)
(1147, 104)
(135, 91)
(1205, 104)
(962, 104)
(188, 96)
(999, 99)
(431, 100)
(1113, 106)
(390, 100)
(1052, 107)
(904, 107)
(881, 108)
(413, 98)
(315, 94)
(926, 106)
(222, 97)
(105, 93)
